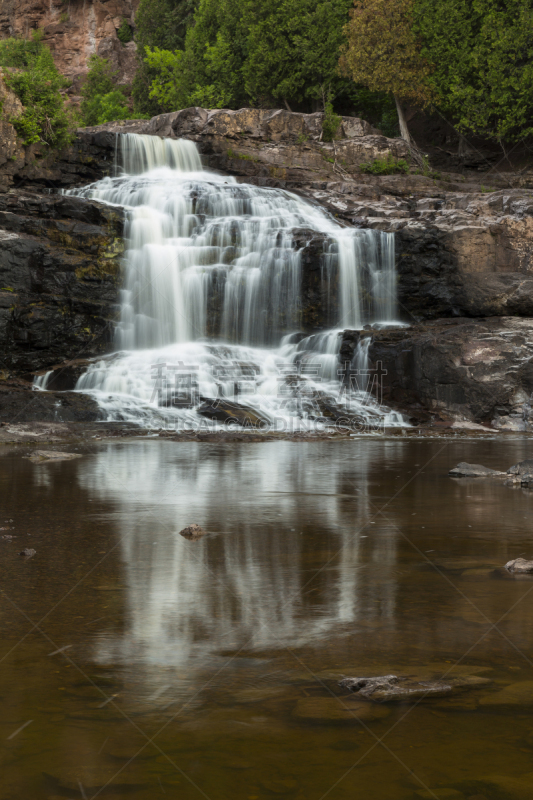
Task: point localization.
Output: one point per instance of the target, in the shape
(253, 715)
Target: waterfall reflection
(285, 561)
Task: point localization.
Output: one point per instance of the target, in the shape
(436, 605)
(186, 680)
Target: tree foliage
(482, 56)
(102, 101)
(38, 84)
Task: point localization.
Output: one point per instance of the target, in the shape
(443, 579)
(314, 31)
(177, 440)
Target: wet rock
(28, 552)
(392, 687)
(516, 694)
(330, 710)
(52, 455)
(221, 410)
(519, 565)
(464, 470)
(521, 474)
(193, 532)
(26, 411)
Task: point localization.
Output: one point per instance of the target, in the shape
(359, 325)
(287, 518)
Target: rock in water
(329, 710)
(392, 687)
(52, 455)
(220, 410)
(28, 552)
(521, 473)
(519, 565)
(464, 470)
(193, 532)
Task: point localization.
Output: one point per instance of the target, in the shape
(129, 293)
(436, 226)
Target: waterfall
(213, 280)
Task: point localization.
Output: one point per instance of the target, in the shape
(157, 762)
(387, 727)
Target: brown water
(189, 663)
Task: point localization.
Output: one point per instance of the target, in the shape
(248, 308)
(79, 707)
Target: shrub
(102, 100)
(331, 123)
(38, 84)
(385, 166)
(124, 32)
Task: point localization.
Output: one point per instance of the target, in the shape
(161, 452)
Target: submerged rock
(519, 565)
(193, 532)
(52, 455)
(464, 470)
(331, 709)
(392, 687)
(28, 552)
(516, 694)
(387, 688)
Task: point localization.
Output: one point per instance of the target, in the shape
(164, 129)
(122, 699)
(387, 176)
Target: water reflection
(283, 562)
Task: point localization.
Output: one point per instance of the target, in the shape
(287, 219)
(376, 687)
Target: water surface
(187, 661)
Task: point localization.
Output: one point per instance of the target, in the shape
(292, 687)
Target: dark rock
(23, 407)
(391, 687)
(221, 410)
(193, 532)
(464, 470)
(519, 565)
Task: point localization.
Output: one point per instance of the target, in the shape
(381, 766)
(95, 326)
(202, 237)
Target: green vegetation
(102, 101)
(124, 33)
(38, 84)
(331, 123)
(385, 166)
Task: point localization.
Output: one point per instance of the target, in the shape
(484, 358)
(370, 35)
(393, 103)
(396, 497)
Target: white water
(212, 295)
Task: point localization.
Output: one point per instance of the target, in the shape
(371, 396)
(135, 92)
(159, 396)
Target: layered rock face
(59, 272)
(74, 31)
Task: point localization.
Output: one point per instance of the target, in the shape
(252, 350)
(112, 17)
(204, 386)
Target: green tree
(39, 85)
(102, 101)
(293, 51)
(383, 53)
(482, 52)
(159, 24)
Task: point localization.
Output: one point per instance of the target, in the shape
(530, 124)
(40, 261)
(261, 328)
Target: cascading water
(213, 295)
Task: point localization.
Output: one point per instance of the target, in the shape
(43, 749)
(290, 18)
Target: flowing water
(212, 300)
(137, 664)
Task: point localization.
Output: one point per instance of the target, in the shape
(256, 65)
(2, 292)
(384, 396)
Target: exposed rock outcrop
(480, 370)
(60, 261)
(74, 31)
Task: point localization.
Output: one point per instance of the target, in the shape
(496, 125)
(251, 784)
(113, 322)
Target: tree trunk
(287, 106)
(404, 130)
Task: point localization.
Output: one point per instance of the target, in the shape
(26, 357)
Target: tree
(293, 51)
(102, 100)
(383, 53)
(482, 51)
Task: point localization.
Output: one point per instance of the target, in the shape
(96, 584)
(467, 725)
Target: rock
(521, 473)
(393, 688)
(193, 532)
(331, 710)
(519, 565)
(516, 694)
(52, 455)
(221, 410)
(481, 370)
(28, 552)
(19, 409)
(464, 470)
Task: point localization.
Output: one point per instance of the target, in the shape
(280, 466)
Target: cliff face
(74, 30)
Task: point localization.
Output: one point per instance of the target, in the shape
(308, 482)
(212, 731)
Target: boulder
(519, 565)
(228, 412)
(192, 532)
(464, 470)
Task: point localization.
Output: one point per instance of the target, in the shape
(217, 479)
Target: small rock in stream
(28, 552)
(392, 687)
(464, 470)
(519, 565)
(193, 532)
(52, 455)
(521, 473)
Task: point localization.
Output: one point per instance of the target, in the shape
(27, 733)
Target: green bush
(385, 166)
(102, 100)
(330, 124)
(124, 32)
(38, 84)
